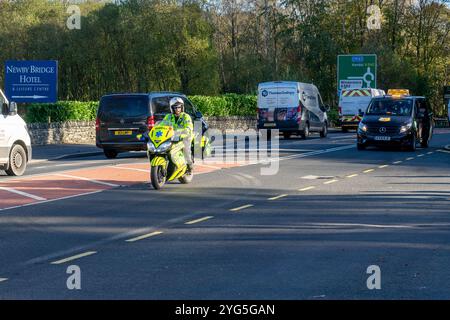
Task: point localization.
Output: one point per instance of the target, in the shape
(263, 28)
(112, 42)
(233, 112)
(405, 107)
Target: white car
(15, 142)
(292, 108)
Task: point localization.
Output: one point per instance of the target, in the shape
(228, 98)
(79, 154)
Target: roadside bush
(61, 111)
(224, 105)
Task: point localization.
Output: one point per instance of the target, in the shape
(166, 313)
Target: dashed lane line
(307, 188)
(352, 175)
(278, 197)
(144, 236)
(331, 181)
(397, 162)
(368, 170)
(383, 166)
(409, 159)
(199, 220)
(25, 194)
(78, 256)
(242, 207)
(3, 279)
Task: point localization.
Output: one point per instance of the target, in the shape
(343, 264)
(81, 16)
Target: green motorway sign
(356, 71)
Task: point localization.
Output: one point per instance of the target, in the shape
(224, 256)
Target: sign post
(31, 81)
(356, 71)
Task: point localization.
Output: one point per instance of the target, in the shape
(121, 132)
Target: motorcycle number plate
(123, 133)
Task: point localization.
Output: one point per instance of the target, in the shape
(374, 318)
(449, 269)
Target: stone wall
(78, 132)
(83, 132)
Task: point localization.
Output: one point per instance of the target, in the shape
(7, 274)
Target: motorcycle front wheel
(157, 177)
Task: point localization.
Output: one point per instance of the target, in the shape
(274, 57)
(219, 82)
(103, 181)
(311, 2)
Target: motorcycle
(165, 152)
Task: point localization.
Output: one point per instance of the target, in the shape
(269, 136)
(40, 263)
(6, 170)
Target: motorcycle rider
(182, 124)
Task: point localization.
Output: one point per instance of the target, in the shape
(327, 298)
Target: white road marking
(199, 220)
(397, 162)
(352, 175)
(87, 179)
(431, 152)
(51, 200)
(383, 166)
(278, 197)
(368, 170)
(78, 256)
(127, 168)
(307, 188)
(145, 236)
(420, 155)
(409, 159)
(25, 194)
(3, 279)
(331, 181)
(309, 154)
(242, 207)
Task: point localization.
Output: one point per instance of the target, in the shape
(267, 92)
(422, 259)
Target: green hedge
(61, 111)
(224, 105)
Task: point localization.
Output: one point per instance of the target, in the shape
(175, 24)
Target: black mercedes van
(120, 117)
(401, 121)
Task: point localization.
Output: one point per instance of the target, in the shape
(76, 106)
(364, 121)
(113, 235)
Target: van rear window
(123, 106)
(160, 105)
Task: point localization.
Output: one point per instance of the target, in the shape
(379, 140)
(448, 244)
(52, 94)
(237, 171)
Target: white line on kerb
(87, 179)
(199, 220)
(145, 236)
(78, 256)
(25, 194)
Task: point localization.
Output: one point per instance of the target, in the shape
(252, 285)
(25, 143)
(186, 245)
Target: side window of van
(188, 108)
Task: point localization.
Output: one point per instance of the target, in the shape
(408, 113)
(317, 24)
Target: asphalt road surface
(308, 232)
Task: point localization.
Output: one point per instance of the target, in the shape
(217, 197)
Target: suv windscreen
(123, 107)
(388, 107)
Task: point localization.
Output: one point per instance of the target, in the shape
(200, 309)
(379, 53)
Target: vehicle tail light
(97, 124)
(340, 111)
(150, 122)
(299, 113)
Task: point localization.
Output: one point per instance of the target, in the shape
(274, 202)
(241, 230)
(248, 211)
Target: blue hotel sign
(31, 81)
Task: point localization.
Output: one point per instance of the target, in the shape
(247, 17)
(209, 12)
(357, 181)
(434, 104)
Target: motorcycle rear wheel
(157, 177)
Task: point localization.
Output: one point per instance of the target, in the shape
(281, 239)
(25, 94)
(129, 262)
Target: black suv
(403, 121)
(121, 117)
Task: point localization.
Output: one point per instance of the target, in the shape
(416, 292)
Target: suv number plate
(382, 138)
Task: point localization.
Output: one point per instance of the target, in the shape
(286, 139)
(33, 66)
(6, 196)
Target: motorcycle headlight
(362, 127)
(406, 127)
(164, 147)
(151, 147)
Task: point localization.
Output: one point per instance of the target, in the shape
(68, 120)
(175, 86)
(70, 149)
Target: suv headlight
(362, 127)
(164, 147)
(406, 127)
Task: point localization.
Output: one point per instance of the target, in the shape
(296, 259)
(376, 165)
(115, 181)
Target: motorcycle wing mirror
(198, 115)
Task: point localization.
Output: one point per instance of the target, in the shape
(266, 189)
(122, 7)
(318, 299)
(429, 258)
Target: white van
(292, 108)
(352, 105)
(15, 143)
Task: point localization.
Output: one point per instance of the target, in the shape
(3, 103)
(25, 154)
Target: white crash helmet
(176, 102)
